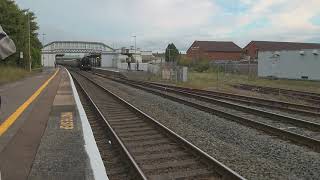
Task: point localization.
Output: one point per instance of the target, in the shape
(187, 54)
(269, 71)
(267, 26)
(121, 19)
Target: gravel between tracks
(274, 123)
(249, 152)
(299, 116)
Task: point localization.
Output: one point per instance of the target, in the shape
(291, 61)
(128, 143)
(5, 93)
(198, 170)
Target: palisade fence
(173, 72)
(165, 71)
(243, 68)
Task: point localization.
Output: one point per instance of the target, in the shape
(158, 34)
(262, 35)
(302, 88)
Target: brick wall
(235, 56)
(251, 50)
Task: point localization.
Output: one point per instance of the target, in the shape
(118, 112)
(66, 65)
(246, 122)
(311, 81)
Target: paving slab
(52, 139)
(14, 95)
(23, 137)
(62, 153)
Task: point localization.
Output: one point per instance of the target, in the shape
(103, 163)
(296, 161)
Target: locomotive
(86, 63)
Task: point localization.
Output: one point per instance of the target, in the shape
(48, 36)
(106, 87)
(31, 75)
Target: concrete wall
(289, 64)
(142, 66)
(107, 60)
(48, 60)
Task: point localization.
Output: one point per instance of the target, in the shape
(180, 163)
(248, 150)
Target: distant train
(86, 63)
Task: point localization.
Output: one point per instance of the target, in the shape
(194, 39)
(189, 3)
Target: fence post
(218, 77)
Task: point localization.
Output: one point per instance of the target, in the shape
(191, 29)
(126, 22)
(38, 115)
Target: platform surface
(13, 95)
(47, 140)
(61, 154)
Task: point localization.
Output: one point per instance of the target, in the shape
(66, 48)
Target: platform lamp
(43, 34)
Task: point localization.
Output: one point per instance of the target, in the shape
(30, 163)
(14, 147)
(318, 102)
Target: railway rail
(310, 97)
(111, 153)
(287, 131)
(304, 110)
(249, 100)
(154, 151)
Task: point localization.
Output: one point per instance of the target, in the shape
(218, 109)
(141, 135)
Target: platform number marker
(66, 120)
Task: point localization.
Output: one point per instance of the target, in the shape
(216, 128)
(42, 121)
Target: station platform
(122, 73)
(44, 132)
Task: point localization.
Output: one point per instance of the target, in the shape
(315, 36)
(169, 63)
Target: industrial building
(254, 47)
(291, 64)
(215, 50)
(290, 60)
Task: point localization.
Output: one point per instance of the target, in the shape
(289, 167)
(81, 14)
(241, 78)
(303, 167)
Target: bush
(201, 65)
(10, 73)
(185, 61)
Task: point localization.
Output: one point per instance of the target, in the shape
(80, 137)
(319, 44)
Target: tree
(172, 53)
(14, 22)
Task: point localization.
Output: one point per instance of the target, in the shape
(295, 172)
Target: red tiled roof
(278, 46)
(216, 46)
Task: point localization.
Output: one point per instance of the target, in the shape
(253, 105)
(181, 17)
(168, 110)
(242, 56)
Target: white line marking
(96, 162)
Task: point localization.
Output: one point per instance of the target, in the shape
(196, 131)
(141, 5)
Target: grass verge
(223, 81)
(10, 74)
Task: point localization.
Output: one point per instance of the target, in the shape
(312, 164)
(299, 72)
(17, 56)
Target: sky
(155, 23)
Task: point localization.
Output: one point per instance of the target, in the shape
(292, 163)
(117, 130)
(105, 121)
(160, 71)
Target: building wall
(48, 60)
(251, 50)
(107, 60)
(234, 56)
(289, 64)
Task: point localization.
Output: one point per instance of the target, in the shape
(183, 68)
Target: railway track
(313, 98)
(304, 110)
(109, 149)
(298, 131)
(152, 150)
(249, 100)
(212, 99)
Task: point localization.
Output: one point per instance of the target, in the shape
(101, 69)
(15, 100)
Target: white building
(290, 64)
(74, 48)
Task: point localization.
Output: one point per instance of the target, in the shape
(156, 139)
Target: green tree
(172, 53)
(14, 22)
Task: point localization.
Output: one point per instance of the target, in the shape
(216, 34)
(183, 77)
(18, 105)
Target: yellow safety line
(14, 116)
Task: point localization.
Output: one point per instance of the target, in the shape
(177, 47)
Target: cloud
(159, 22)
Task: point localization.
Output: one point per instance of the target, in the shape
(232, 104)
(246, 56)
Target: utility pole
(29, 42)
(43, 34)
(135, 44)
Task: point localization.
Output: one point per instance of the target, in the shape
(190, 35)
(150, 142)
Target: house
(215, 50)
(289, 60)
(253, 48)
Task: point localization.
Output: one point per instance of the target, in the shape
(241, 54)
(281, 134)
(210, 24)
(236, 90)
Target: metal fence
(236, 67)
(174, 73)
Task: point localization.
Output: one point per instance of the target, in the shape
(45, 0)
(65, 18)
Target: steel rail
(222, 169)
(227, 96)
(114, 134)
(276, 117)
(248, 100)
(306, 96)
(283, 134)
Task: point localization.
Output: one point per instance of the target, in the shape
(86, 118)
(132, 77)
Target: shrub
(201, 65)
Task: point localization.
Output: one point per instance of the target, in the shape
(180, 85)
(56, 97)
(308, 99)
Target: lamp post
(43, 34)
(135, 44)
(29, 42)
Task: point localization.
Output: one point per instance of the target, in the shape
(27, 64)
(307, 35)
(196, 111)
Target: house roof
(216, 46)
(278, 46)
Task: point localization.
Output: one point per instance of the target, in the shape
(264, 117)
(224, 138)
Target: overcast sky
(159, 22)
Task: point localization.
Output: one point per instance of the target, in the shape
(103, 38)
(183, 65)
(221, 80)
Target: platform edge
(91, 147)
